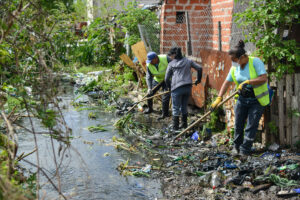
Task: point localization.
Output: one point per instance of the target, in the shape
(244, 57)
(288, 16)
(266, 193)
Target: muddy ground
(186, 166)
(204, 168)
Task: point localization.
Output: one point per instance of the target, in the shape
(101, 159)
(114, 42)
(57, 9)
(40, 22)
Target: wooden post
(266, 136)
(289, 94)
(274, 117)
(281, 117)
(295, 106)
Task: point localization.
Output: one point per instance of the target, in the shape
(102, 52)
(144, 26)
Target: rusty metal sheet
(199, 91)
(216, 65)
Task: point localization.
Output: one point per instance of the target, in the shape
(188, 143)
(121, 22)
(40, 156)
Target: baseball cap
(150, 56)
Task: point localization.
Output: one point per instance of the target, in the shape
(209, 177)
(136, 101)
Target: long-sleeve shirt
(149, 76)
(180, 72)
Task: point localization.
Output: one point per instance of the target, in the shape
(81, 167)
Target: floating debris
(98, 128)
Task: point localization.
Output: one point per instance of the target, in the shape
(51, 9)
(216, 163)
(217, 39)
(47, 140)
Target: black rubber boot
(183, 121)
(175, 125)
(165, 111)
(150, 107)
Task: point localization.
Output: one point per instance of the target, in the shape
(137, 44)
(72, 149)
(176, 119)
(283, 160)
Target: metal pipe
(220, 36)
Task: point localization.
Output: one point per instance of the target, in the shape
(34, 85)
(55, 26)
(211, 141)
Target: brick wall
(204, 16)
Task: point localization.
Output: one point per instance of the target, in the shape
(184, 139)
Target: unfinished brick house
(205, 31)
(203, 28)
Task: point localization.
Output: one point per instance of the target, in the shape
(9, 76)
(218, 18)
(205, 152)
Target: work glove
(243, 83)
(197, 82)
(216, 103)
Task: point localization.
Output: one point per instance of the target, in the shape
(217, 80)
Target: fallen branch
(24, 156)
(45, 174)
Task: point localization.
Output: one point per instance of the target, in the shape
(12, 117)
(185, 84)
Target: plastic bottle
(213, 142)
(215, 180)
(140, 108)
(147, 168)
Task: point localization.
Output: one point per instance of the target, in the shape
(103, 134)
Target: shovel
(205, 115)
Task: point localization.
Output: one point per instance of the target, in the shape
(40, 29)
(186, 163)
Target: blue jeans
(180, 98)
(246, 109)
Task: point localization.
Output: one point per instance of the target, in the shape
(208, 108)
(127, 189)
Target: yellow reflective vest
(261, 91)
(160, 71)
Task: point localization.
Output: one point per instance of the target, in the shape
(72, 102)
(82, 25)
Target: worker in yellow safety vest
(250, 77)
(156, 69)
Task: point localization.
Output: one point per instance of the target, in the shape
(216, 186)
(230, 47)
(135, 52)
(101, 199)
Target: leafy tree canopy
(267, 20)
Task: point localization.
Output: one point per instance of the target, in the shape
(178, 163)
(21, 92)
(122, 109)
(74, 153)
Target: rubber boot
(183, 121)
(150, 107)
(165, 111)
(175, 124)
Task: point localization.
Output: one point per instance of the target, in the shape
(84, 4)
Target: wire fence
(195, 30)
(237, 33)
(151, 37)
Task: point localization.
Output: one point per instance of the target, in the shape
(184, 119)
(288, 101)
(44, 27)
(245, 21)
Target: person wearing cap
(179, 70)
(156, 69)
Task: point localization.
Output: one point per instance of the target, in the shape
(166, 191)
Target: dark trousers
(180, 98)
(246, 109)
(165, 97)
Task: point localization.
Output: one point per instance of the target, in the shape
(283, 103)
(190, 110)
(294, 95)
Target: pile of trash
(199, 165)
(194, 168)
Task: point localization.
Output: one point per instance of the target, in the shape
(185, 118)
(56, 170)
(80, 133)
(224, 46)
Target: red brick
(225, 47)
(172, 13)
(195, 26)
(183, 1)
(188, 7)
(199, 7)
(219, 12)
(226, 26)
(226, 32)
(167, 43)
(167, 38)
(194, 1)
(222, 19)
(204, 1)
(171, 19)
(228, 11)
(223, 5)
(179, 7)
(171, 2)
(225, 39)
(169, 7)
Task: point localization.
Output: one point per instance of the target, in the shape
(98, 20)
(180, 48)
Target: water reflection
(85, 172)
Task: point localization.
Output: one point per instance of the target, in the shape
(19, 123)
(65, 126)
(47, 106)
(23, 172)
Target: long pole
(136, 103)
(166, 92)
(205, 115)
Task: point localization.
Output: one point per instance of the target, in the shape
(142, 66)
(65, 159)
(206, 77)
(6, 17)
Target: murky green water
(86, 173)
